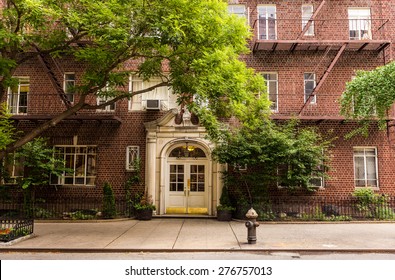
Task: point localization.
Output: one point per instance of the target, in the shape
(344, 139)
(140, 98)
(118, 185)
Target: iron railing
(304, 208)
(11, 229)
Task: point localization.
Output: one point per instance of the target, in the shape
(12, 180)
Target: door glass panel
(197, 178)
(176, 178)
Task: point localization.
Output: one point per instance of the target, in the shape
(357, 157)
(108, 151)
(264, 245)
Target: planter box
(224, 215)
(13, 229)
(144, 214)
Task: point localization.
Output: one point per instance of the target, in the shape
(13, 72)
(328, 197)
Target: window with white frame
(17, 96)
(267, 25)
(307, 13)
(102, 99)
(69, 86)
(365, 167)
(160, 98)
(80, 162)
(317, 180)
(359, 23)
(239, 10)
(309, 85)
(272, 89)
(132, 157)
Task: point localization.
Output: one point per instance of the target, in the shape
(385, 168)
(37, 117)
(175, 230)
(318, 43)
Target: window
(309, 85)
(160, 98)
(307, 13)
(69, 85)
(267, 27)
(17, 96)
(359, 23)
(365, 167)
(132, 157)
(81, 162)
(103, 99)
(272, 89)
(239, 10)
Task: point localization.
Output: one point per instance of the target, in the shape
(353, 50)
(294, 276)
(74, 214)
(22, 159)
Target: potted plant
(225, 209)
(144, 207)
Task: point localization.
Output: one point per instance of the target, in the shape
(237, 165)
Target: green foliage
(109, 210)
(142, 202)
(373, 205)
(369, 97)
(276, 154)
(39, 163)
(198, 41)
(7, 130)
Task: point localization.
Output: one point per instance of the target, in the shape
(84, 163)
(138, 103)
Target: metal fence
(14, 228)
(72, 208)
(327, 209)
(277, 208)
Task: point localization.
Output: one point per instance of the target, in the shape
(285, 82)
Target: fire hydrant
(251, 225)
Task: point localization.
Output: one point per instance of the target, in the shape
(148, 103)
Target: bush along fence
(325, 209)
(302, 208)
(70, 208)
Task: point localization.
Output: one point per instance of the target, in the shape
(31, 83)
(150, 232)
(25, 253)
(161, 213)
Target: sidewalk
(206, 234)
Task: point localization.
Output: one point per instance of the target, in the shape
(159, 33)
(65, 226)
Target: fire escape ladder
(310, 21)
(54, 80)
(322, 80)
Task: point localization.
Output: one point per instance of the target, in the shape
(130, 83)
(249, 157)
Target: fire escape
(53, 72)
(369, 35)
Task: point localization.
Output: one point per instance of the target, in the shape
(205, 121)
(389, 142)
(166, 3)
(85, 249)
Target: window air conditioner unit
(153, 104)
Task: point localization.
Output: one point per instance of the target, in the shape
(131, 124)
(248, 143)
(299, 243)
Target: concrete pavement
(178, 234)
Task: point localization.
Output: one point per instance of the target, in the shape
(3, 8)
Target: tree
(193, 46)
(275, 154)
(369, 97)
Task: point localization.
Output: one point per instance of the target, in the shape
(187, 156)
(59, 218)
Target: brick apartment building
(306, 49)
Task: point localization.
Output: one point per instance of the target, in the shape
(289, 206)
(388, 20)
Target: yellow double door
(186, 188)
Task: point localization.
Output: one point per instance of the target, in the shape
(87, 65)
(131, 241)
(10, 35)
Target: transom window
(17, 96)
(187, 151)
(80, 162)
(272, 89)
(365, 167)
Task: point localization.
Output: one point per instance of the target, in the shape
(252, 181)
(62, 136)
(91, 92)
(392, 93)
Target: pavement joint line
(178, 234)
(121, 235)
(235, 235)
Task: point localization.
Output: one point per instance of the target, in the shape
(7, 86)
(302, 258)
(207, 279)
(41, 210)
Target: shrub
(109, 210)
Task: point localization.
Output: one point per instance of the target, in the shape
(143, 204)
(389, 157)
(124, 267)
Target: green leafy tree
(193, 46)
(369, 97)
(39, 163)
(286, 155)
(7, 129)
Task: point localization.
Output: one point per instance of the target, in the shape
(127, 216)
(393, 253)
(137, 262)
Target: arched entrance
(186, 180)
